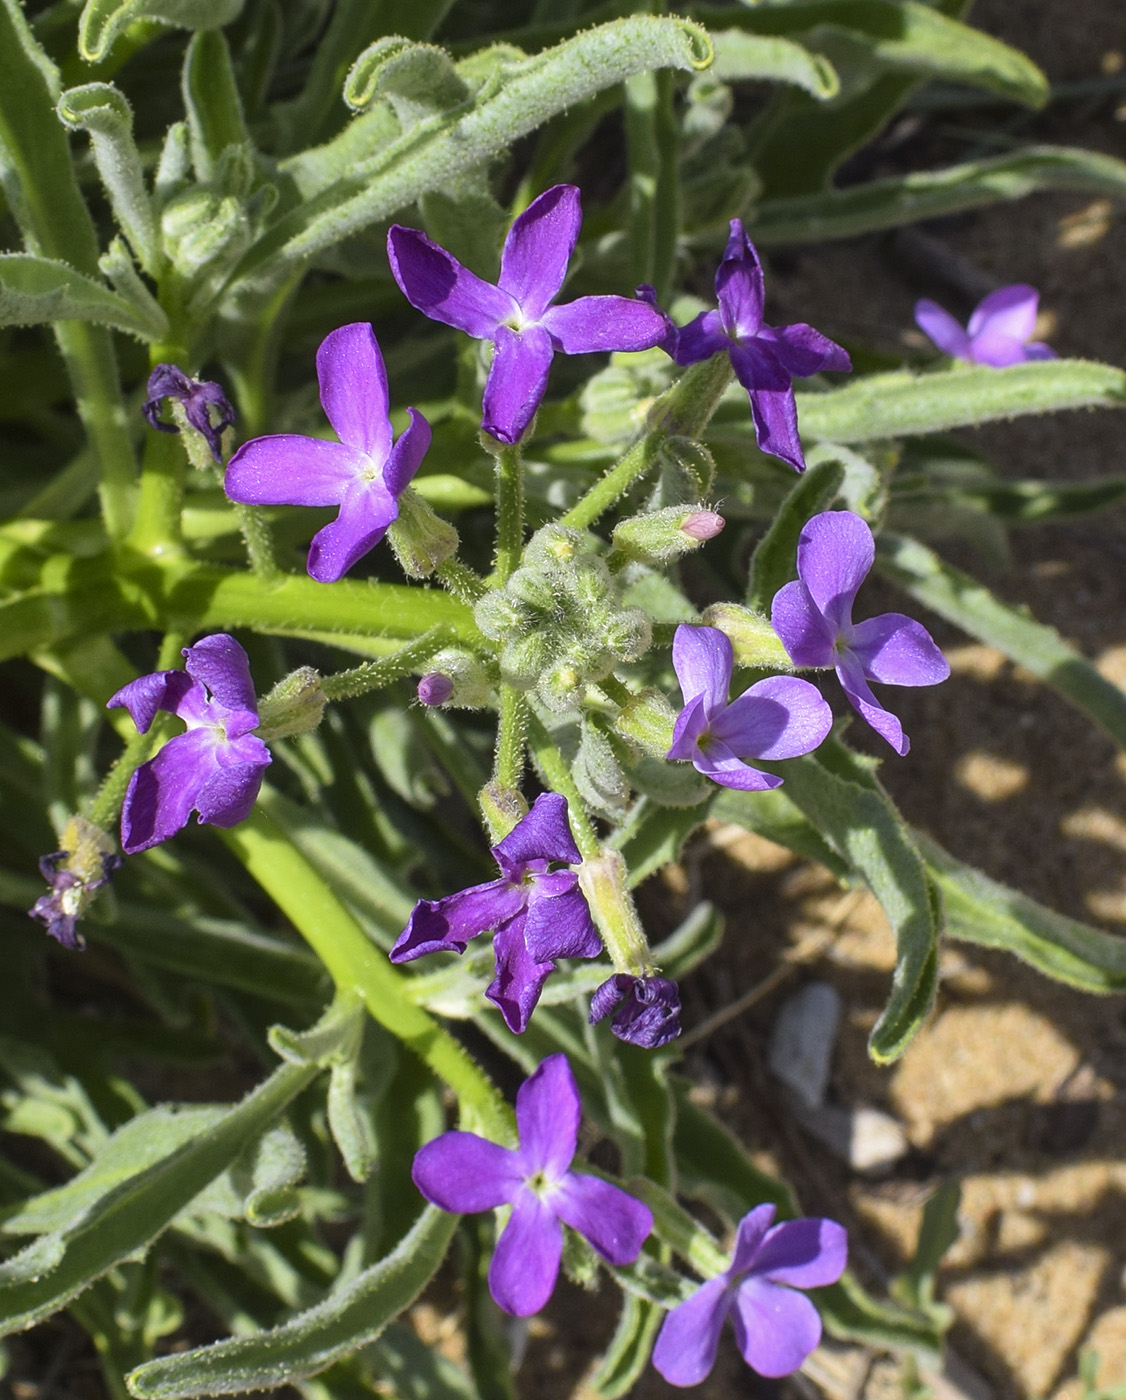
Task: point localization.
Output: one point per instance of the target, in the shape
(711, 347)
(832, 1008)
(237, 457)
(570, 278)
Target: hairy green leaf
(740, 56)
(103, 21)
(36, 290)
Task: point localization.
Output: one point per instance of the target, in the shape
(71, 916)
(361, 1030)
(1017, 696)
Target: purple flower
(999, 332)
(197, 396)
(765, 359)
(648, 1009)
(779, 717)
(363, 473)
(73, 876)
(517, 314)
(465, 1173)
(775, 1327)
(813, 617)
(537, 914)
(216, 767)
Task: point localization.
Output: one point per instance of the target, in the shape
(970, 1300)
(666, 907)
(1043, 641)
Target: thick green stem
(258, 540)
(510, 512)
(377, 675)
(466, 586)
(511, 731)
(156, 528)
(615, 690)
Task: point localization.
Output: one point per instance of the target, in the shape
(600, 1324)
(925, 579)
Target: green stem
(511, 731)
(614, 689)
(377, 675)
(466, 586)
(557, 771)
(259, 541)
(510, 512)
(156, 529)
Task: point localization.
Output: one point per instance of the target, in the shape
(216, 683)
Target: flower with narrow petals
(775, 1326)
(813, 617)
(646, 1009)
(465, 1173)
(780, 717)
(214, 769)
(198, 397)
(537, 914)
(518, 314)
(364, 473)
(999, 333)
(766, 359)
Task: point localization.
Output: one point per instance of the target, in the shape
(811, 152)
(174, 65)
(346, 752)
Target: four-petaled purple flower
(813, 617)
(999, 333)
(517, 314)
(465, 1173)
(197, 396)
(780, 717)
(363, 473)
(646, 1009)
(766, 359)
(215, 768)
(537, 914)
(776, 1328)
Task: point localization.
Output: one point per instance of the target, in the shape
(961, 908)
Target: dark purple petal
(780, 717)
(464, 1173)
(668, 341)
(776, 1328)
(517, 381)
(773, 410)
(802, 351)
(366, 510)
(407, 454)
(435, 283)
(648, 1009)
(219, 663)
(739, 285)
(447, 925)
(538, 248)
(548, 1111)
(716, 761)
(435, 688)
(560, 926)
(943, 329)
(703, 659)
(701, 338)
(165, 382)
(803, 1253)
(353, 383)
(198, 396)
(287, 469)
(607, 1217)
(804, 632)
(689, 1336)
(1009, 311)
(227, 796)
(519, 978)
(897, 650)
(162, 792)
(525, 1263)
(161, 690)
(604, 323)
(691, 725)
(860, 697)
(541, 834)
(749, 1236)
(835, 553)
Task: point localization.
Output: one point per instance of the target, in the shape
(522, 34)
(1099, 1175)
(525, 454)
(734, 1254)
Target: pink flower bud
(704, 525)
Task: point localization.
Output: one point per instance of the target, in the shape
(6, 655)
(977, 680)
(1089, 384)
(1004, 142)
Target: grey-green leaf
(102, 21)
(774, 561)
(34, 290)
(740, 57)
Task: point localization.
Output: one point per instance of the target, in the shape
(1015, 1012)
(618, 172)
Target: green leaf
(774, 561)
(103, 21)
(630, 1347)
(212, 103)
(1039, 649)
(653, 836)
(1015, 502)
(417, 80)
(36, 290)
(259, 1186)
(740, 56)
(336, 1328)
(938, 1231)
(772, 815)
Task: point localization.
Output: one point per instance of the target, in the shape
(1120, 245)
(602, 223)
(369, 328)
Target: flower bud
(752, 638)
(664, 535)
(523, 661)
(296, 705)
(470, 685)
(647, 720)
(435, 689)
(554, 544)
(502, 808)
(703, 525)
(421, 540)
(628, 635)
(561, 686)
(497, 615)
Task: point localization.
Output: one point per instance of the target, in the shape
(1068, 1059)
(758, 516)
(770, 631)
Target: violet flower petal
(446, 925)
(407, 454)
(648, 1009)
(538, 247)
(366, 510)
(722, 766)
(691, 724)
(779, 717)
(701, 338)
(560, 926)
(749, 1235)
(603, 323)
(464, 1173)
(739, 285)
(147, 695)
(519, 979)
(1009, 311)
(803, 351)
(703, 659)
(162, 792)
(775, 1328)
(548, 1111)
(774, 411)
(517, 381)
(615, 1223)
(353, 385)
(689, 1337)
(435, 283)
(286, 469)
(219, 663)
(835, 553)
(993, 347)
(851, 675)
(807, 1253)
(897, 650)
(544, 833)
(802, 628)
(525, 1263)
(938, 324)
(226, 796)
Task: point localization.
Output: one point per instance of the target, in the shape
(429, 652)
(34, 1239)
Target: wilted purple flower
(648, 1009)
(73, 876)
(766, 359)
(216, 767)
(999, 332)
(775, 1327)
(363, 473)
(780, 717)
(465, 1173)
(197, 396)
(517, 314)
(813, 617)
(537, 914)
(434, 688)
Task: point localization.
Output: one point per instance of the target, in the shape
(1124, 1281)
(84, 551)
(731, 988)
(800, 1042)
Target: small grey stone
(801, 1044)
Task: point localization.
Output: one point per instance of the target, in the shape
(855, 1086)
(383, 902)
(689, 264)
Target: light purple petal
(860, 697)
(835, 553)
(604, 323)
(722, 766)
(1009, 311)
(749, 1237)
(691, 725)
(366, 510)
(447, 925)
(407, 454)
(525, 1263)
(947, 333)
(689, 1336)
(519, 978)
(560, 926)
(802, 351)
(739, 285)
(806, 1253)
(227, 796)
(435, 283)
(897, 650)
(776, 1328)
(544, 833)
(353, 384)
(703, 658)
(780, 717)
(548, 1111)
(464, 1173)
(162, 792)
(803, 630)
(771, 392)
(993, 347)
(1037, 350)
(289, 470)
(607, 1217)
(700, 339)
(517, 381)
(219, 663)
(539, 247)
(161, 690)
